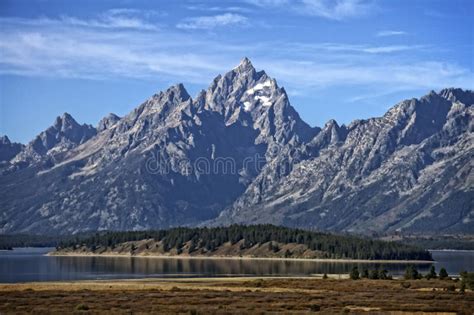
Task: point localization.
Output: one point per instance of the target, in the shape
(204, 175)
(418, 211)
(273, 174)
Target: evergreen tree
(354, 274)
(411, 273)
(383, 274)
(467, 279)
(374, 274)
(463, 287)
(432, 273)
(326, 245)
(443, 274)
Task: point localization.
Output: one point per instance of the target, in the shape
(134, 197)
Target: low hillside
(244, 241)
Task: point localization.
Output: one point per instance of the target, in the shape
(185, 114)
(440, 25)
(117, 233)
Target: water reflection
(31, 265)
(207, 267)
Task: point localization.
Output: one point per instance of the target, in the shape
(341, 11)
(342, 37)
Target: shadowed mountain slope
(240, 153)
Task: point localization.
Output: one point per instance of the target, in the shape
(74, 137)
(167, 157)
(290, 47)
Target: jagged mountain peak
(8, 149)
(245, 73)
(408, 170)
(452, 95)
(66, 125)
(178, 91)
(338, 132)
(65, 134)
(340, 178)
(4, 140)
(253, 98)
(175, 93)
(165, 102)
(108, 121)
(67, 117)
(331, 133)
(112, 116)
(245, 65)
(458, 95)
(331, 123)
(242, 87)
(64, 122)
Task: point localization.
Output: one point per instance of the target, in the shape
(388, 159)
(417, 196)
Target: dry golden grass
(235, 295)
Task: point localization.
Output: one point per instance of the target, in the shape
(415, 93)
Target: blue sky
(341, 59)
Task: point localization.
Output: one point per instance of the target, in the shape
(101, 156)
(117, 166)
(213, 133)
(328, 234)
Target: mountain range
(240, 153)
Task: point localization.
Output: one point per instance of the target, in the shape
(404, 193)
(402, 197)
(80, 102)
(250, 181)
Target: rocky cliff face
(410, 170)
(49, 146)
(8, 150)
(240, 153)
(107, 122)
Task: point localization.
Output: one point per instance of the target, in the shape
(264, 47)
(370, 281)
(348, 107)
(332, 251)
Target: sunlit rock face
(410, 170)
(240, 153)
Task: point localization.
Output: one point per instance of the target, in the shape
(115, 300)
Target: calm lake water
(31, 264)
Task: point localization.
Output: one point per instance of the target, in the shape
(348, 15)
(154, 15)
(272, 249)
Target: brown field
(236, 295)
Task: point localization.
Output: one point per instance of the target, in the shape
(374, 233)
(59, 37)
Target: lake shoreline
(335, 260)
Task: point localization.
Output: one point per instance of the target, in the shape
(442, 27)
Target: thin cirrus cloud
(200, 7)
(210, 22)
(110, 19)
(312, 74)
(119, 18)
(78, 48)
(387, 33)
(329, 9)
(369, 49)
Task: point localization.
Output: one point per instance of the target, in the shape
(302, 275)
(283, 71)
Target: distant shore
(451, 250)
(335, 260)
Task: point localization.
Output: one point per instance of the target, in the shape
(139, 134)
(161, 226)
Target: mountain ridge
(143, 170)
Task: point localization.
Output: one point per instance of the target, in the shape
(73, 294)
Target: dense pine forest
(460, 242)
(23, 240)
(209, 239)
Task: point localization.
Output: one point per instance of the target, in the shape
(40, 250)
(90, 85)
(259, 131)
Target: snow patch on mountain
(259, 86)
(265, 100)
(247, 106)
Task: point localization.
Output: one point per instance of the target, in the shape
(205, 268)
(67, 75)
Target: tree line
(9, 241)
(330, 245)
(411, 273)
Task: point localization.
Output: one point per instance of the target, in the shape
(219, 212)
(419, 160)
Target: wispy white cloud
(406, 76)
(329, 9)
(387, 33)
(111, 19)
(38, 48)
(128, 18)
(201, 7)
(210, 22)
(338, 10)
(268, 3)
(370, 49)
(66, 49)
